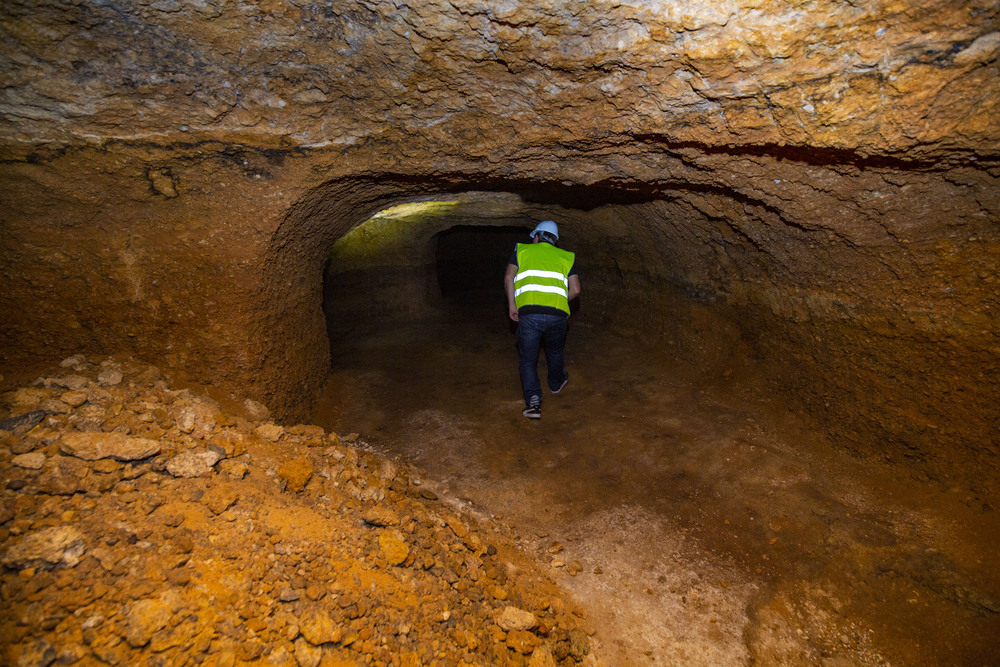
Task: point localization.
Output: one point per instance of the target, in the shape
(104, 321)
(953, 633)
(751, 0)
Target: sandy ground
(709, 525)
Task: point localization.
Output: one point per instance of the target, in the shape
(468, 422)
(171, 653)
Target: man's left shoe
(532, 412)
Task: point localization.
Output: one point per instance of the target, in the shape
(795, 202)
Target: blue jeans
(533, 331)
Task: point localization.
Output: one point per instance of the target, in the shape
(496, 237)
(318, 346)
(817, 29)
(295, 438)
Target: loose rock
(318, 628)
(31, 461)
(177, 569)
(270, 432)
(47, 548)
(193, 464)
(94, 446)
(256, 411)
(394, 547)
(145, 619)
(296, 473)
(109, 377)
(512, 618)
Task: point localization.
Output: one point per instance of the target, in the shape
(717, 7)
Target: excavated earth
(142, 525)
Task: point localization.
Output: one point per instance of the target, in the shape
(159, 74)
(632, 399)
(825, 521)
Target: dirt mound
(143, 525)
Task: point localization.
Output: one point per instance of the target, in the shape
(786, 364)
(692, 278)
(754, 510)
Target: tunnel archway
(716, 271)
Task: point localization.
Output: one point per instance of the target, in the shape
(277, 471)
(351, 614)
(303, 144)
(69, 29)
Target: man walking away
(541, 280)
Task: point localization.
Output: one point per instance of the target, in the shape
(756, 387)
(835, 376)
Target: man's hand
(512, 311)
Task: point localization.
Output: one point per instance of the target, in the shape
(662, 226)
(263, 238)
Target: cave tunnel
(666, 375)
(259, 396)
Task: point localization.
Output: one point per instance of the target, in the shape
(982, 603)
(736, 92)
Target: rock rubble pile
(145, 525)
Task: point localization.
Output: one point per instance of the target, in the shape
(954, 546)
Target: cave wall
(822, 176)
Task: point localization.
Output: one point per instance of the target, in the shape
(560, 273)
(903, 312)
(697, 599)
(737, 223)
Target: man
(541, 280)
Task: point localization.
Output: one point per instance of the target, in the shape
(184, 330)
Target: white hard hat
(548, 227)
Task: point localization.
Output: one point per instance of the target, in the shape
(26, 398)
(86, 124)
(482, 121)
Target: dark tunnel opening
(470, 261)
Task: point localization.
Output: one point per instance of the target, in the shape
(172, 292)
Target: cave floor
(710, 525)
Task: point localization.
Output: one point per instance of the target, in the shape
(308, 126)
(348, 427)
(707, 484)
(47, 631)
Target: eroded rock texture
(811, 185)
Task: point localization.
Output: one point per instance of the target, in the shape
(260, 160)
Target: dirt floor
(697, 518)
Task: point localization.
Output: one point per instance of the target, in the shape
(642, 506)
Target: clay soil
(146, 524)
(698, 519)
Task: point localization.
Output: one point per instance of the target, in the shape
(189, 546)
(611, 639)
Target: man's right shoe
(532, 412)
(564, 383)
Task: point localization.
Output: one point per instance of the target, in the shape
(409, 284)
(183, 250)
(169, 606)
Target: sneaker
(564, 383)
(532, 412)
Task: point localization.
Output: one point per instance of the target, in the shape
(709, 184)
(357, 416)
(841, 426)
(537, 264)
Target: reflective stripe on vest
(543, 276)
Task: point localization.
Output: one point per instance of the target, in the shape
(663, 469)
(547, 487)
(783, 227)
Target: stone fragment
(388, 471)
(288, 594)
(198, 417)
(145, 619)
(256, 411)
(73, 399)
(21, 445)
(307, 430)
(512, 618)
(380, 516)
(393, 546)
(61, 479)
(94, 446)
(179, 576)
(542, 657)
(270, 432)
(73, 361)
(232, 442)
(6, 509)
(71, 382)
(111, 650)
(456, 525)
(46, 548)
(307, 655)
(579, 644)
(318, 628)
(107, 466)
(31, 461)
(522, 641)
(70, 655)
(185, 421)
(234, 469)
(104, 556)
(54, 406)
(109, 377)
(25, 399)
(39, 653)
(193, 463)
(23, 423)
(149, 376)
(220, 498)
(296, 473)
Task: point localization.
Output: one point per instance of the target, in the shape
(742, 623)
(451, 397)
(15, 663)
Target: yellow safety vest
(542, 276)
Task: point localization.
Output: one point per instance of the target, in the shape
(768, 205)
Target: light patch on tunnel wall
(388, 233)
(417, 209)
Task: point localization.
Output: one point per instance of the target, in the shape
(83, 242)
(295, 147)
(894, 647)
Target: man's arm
(574, 286)
(508, 284)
